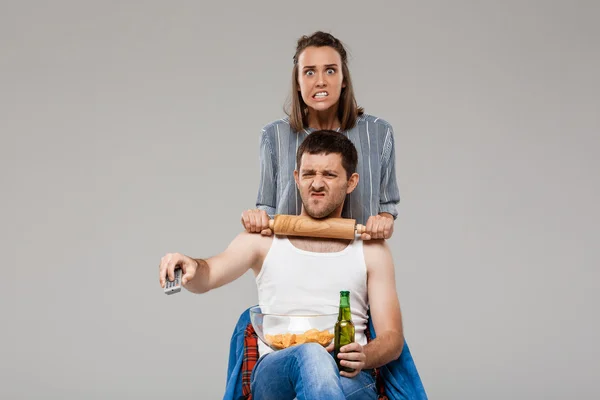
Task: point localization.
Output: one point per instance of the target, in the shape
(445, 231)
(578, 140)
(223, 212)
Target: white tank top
(290, 275)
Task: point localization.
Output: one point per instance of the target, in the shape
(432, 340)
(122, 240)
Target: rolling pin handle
(360, 229)
(271, 224)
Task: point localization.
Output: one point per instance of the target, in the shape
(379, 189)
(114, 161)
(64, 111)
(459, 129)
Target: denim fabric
(399, 377)
(307, 372)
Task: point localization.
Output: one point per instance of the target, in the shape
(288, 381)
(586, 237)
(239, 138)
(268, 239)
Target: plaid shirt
(251, 358)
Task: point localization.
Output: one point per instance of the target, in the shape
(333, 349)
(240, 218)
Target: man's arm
(384, 305)
(245, 252)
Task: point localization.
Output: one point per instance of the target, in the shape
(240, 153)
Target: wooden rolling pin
(333, 228)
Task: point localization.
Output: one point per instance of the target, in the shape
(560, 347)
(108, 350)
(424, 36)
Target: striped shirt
(377, 190)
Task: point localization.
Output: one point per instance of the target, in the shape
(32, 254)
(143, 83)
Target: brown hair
(326, 142)
(348, 110)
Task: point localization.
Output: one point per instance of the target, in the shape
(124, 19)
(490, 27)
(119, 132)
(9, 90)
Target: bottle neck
(345, 313)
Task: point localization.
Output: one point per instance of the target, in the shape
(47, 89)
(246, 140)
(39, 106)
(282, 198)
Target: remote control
(172, 287)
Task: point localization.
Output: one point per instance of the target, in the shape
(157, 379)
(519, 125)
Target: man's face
(323, 184)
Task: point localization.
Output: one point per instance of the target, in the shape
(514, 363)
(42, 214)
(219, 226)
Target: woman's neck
(323, 119)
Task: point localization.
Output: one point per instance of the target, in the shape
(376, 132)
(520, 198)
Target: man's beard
(325, 211)
(322, 213)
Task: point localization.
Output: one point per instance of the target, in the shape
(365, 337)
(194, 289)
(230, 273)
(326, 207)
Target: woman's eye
(331, 71)
(310, 73)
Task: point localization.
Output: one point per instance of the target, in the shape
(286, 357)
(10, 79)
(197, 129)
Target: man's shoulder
(254, 238)
(375, 245)
(253, 243)
(375, 251)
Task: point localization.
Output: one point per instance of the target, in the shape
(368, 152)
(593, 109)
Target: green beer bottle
(344, 329)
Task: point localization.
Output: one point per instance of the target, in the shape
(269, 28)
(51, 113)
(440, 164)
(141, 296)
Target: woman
(323, 98)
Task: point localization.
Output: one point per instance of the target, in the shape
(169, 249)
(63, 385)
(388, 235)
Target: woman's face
(320, 78)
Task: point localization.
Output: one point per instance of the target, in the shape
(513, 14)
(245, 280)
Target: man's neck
(319, 245)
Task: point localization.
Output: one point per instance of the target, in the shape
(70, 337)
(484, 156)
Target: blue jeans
(307, 372)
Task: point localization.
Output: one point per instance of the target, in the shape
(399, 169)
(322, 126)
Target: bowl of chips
(280, 327)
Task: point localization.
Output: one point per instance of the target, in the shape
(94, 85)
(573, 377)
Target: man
(311, 271)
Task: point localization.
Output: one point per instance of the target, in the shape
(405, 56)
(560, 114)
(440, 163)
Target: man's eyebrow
(312, 171)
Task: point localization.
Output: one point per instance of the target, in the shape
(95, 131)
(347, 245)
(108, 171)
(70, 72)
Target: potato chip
(275, 341)
(312, 335)
(288, 340)
(284, 340)
(324, 338)
(300, 338)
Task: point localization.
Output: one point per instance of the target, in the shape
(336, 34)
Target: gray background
(130, 129)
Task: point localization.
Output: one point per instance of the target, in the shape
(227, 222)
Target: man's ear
(352, 183)
(296, 177)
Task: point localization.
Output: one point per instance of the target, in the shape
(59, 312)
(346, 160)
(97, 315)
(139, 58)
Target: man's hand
(255, 221)
(379, 227)
(352, 356)
(173, 260)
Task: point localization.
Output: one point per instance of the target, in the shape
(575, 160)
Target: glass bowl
(280, 327)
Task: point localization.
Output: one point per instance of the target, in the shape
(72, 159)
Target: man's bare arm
(245, 252)
(384, 305)
(242, 254)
